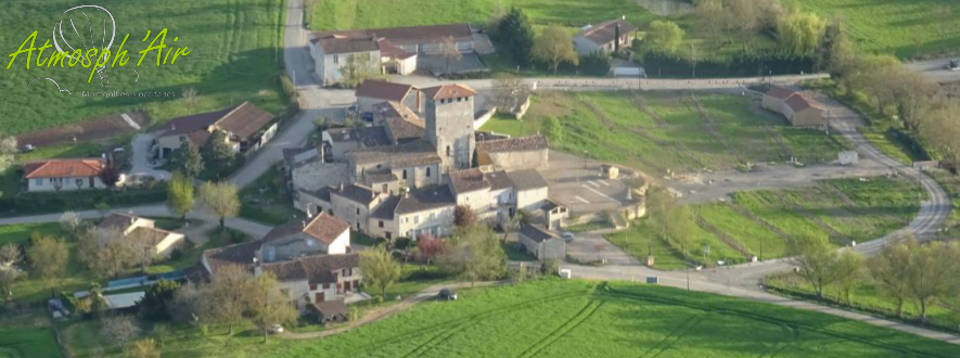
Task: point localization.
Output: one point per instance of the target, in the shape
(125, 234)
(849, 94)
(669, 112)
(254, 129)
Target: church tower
(449, 116)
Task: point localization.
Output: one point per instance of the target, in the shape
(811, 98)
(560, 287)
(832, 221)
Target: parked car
(368, 117)
(447, 294)
(954, 65)
(275, 329)
(567, 236)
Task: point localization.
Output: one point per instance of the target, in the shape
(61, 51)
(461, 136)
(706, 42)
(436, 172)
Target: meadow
(905, 28)
(661, 132)
(763, 223)
(235, 56)
(18, 341)
(554, 318)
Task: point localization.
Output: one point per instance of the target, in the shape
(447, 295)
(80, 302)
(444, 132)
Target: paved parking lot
(576, 184)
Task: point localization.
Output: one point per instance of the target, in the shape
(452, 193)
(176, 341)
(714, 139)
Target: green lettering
(32, 39)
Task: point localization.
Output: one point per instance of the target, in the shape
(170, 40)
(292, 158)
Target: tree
(379, 269)
(9, 273)
(850, 266)
(218, 154)
(463, 216)
(143, 348)
(48, 257)
(553, 47)
(180, 197)
(107, 252)
(449, 51)
(663, 36)
(9, 255)
(671, 220)
(188, 160)
(8, 149)
(475, 254)
(836, 54)
(153, 305)
(70, 222)
(221, 198)
(359, 67)
(509, 225)
(429, 248)
(597, 63)
(228, 296)
(713, 19)
(816, 262)
(800, 32)
(190, 97)
(941, 129)
(515, 35)
(552, 129)
(931, 272)
(509, 92)
(891, 269)
(270, 305)
(119, 328)
(110, 174)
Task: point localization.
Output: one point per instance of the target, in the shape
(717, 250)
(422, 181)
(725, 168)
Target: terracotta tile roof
(449, 91)
(375, 136)
(117, 221)
(426, 198)
(468, 180)
(314, 268)
(535, 142)
(415, 153)
(604, 32)
(245, 120)
(338, 45)
(527, 179)
(799, 102)
(779, 92)
(388, 49)
(239, 254)
(64, 168)
(331, 308)
(388, 91)
(323, 227)
(498, 180)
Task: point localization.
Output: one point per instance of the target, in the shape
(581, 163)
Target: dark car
(447, 294)
(954, 65)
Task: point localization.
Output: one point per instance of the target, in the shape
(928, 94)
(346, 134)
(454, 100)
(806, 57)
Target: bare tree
(463, 216)
(8, 148)
(48, 257)
(119, 328)
(231, 291)
(70, 222)
(509, 92)
(108, 252)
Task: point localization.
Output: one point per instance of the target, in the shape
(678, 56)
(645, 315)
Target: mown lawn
(838, 210)
(28, 341)
(905, 28)
(360, 14)
(235, 57)
(660, 132)
(556, 318)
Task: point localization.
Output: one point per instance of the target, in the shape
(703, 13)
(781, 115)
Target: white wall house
(64, 174)
(332, 56)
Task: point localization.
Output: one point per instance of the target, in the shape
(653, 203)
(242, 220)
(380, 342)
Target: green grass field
(235, 57)
(573, 318)
(657, 131)
(905, 28)
(763, 222)
(360, 14)
(27, 341)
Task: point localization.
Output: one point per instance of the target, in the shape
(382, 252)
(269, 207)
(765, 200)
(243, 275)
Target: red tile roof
(388, 91)
(324, 227)
(604, 32)
(449, 91)
(243, 120)
(799, 102)
(64, 168)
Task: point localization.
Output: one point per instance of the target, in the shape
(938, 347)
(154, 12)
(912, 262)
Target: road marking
(601, 194)
(591, 183)
(581, 199)
(130, 121)
(604, 182)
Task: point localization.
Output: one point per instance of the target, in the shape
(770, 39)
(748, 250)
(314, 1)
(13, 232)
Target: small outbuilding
(542, 243)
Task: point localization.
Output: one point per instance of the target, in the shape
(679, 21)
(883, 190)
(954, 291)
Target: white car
(275, 329)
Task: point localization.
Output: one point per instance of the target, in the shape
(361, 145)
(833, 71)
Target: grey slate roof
(356, 193)
(415, 153)
(386, 208)
(468, 180)
(527, 179)
(375, 136)
(498, 180)
(536, 232)
(534, 142)
(426, 198)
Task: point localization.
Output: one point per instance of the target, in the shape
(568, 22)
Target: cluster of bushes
(36, 203)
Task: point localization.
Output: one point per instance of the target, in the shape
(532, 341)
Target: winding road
(741, 281)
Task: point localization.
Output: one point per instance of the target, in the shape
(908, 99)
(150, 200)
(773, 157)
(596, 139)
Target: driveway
(590, 247)
(141, 157)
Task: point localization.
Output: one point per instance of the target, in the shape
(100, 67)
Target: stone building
(449, 119)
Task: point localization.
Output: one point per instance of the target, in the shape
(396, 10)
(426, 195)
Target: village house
(794, 106)
(308, 258)
(247, 126)
(601, 37)
(144, 230)
(396, 50)
(542, 243)
(64, 174)
(513, 153)
(373, 92)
